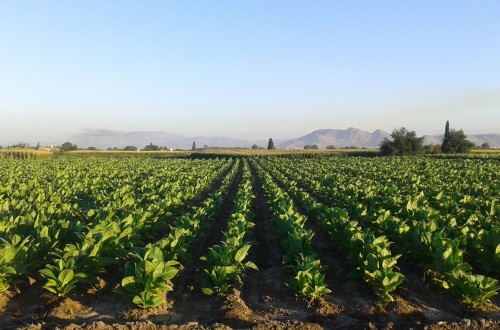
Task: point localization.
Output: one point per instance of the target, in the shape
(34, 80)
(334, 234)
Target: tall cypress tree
(445, 145)
(270, 145)
(193, 147)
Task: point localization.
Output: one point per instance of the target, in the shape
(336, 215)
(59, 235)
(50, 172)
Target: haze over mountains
(324, 137)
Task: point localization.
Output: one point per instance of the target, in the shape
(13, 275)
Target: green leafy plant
(147, 277)
(61, 279)
(226, 266)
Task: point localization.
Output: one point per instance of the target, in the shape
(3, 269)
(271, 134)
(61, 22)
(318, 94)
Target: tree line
(406, 142)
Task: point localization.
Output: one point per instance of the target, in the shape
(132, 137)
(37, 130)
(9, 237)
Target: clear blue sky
(247, 69)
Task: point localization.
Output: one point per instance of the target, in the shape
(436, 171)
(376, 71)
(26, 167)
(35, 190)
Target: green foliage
(68, 146)
(81, 217)
(149, 271)
(61, 279)
(147, 277)
(270, 144)
(151, 147)
(432, 149)
(309, 146)
(72, 219)
(13, 259)
(455, 141)
(371, 254)
(225, 262)
(403, 143)
(225, 267)
(439, 213)
(307, 279)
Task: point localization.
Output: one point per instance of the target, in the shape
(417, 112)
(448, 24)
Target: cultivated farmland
(319, 241)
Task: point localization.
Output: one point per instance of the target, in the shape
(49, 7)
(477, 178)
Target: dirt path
(189, 304)
(265, 291)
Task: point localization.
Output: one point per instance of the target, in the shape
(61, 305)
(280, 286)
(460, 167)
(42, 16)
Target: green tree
(151, 147)
(330, 146)
(130, 148)
(403, 143)
(67, 146)
(270, 144)
(193, 147)
(432, 149)
(458, 142)
(485, 145)
(455, 141)
(445, 145)
(311, 146)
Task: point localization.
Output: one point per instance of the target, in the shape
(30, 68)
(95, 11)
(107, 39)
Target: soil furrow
(415, 300)
(189, 302)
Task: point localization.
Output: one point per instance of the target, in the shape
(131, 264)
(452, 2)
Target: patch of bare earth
(68, 309)
(5, 297)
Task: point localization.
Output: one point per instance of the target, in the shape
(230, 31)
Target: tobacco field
(263, 242)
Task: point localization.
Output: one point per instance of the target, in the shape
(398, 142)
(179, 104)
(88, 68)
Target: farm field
(250, 241)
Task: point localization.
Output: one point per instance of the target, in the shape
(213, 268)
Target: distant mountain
(338, 138)
(492, 139)
(362, 139)
(110, 139)
(323, 138)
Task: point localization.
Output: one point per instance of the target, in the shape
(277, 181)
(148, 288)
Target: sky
(246, 69)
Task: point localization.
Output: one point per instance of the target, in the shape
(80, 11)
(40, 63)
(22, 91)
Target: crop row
(370, 254)
(68, 221)
(308, 277)
(225, 262)
(150, 269)
(79, 222)
(419, 237)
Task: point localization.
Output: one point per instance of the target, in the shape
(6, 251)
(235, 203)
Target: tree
(432, 149)
(20, 145)
(458, 142)
(91, 148)
(403, 143)
(193, 147)
(330, 146)
(445, 145)
(309, 146)
(67, 146)
(270, 144)
(485, 145)
(455, 141)
(130, 148)
(151, 147)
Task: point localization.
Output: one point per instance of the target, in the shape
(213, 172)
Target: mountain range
(322, 138)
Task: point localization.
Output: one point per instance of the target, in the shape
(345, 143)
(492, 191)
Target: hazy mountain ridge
(478, 139)
(323, 137)
(160, 138)
(338, 138)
